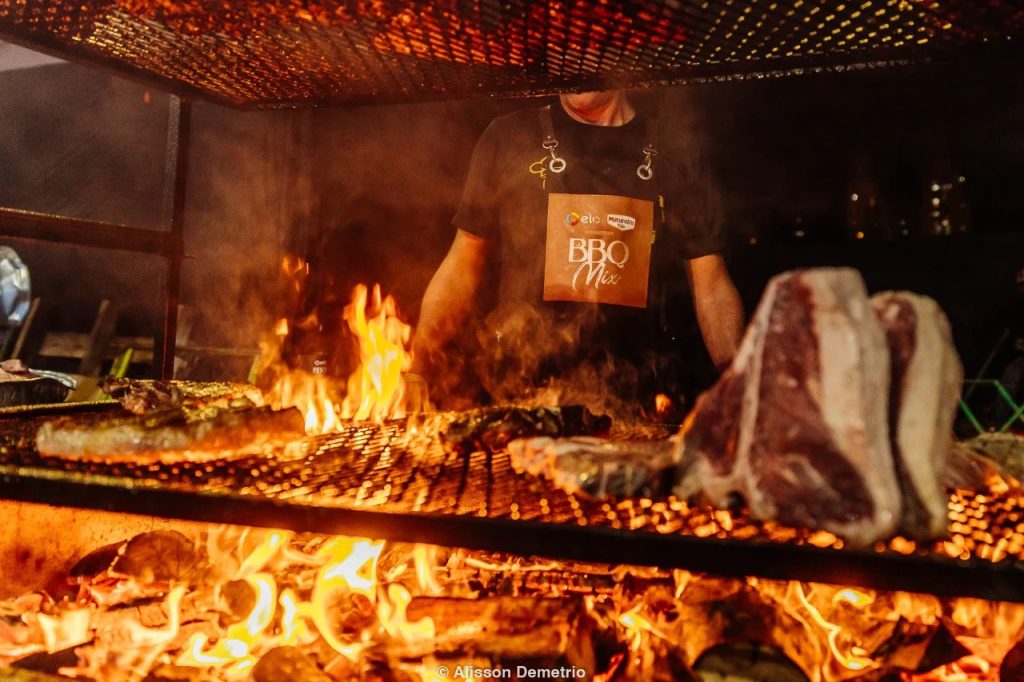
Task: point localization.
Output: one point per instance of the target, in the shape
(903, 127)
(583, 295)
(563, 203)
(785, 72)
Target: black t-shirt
(505, 200)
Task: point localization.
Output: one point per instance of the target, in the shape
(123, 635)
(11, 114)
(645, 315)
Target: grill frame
(27, 477)
(290, 54)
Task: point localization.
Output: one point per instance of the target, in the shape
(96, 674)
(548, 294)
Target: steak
(141, 396)
(491, 429)
(923, 398)
(798, 424)
(598, 468)
(171, 435)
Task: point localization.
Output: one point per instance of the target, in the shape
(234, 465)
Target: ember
(242, 603)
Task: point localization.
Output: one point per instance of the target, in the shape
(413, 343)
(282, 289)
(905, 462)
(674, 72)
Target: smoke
(249, 201)
(78, 143)
(364, 194)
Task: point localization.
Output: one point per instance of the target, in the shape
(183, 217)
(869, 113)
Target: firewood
(741, 662)
(915, 647)
(15, 675)
(287, 664)
(547, 632)
(1012, 667)
(156, 555)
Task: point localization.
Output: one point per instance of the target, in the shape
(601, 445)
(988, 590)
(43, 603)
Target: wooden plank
(26, 328)
(99, 339)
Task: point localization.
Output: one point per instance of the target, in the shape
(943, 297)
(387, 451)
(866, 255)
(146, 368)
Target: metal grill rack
(291, 53)
(388, 483)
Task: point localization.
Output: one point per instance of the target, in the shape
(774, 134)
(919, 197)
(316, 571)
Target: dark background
(367, 193)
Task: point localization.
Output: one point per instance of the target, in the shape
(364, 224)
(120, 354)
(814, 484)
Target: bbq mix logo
(598, 262)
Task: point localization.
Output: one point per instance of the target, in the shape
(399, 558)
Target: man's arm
(718, 307)
(449, 297)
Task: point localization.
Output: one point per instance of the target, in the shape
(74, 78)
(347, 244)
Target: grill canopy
(287, 53)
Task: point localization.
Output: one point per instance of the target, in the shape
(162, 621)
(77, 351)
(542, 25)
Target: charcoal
(239, 596)
(491, 429)
(97, 561)
(15, 675)
(287, 664)
(916, 647)
(45, 662)
(1012, 667)
(159, 555)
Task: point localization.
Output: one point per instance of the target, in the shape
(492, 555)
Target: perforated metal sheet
(291, 52)
(384, 482)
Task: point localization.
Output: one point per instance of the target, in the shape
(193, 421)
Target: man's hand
(718, 307)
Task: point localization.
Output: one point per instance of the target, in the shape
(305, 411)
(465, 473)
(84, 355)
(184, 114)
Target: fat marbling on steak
(798, 424)
(923, 397)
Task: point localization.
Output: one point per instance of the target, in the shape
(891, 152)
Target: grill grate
(292, 53)
(385, 482)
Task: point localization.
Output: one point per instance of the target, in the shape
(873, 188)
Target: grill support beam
(179, 118)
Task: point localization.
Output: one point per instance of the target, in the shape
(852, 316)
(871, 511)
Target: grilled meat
(141, 397)
(171, 435)
(491, 429)
(923, 397)
(599, 468)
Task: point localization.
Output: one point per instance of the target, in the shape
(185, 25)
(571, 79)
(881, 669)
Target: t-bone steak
(798, 424)
(926, 382)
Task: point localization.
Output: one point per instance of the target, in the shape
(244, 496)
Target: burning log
(287, 664)
(918, 648)
(157, 555)
(544, 632)
(14, 675)
(1012, 667)
(745, 661)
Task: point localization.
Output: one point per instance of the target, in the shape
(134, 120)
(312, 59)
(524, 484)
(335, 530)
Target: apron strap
(556, 164)
(646, 169)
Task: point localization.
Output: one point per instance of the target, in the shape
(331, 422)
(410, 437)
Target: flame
(376, 389)
(662, 405)
(235, 648)
(350, 565)
(854, 597)
(425, 559)
(857, 659)
(392, 614)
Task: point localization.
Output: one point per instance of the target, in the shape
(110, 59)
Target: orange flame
(392, 614)
(376, 389)
(662, 405)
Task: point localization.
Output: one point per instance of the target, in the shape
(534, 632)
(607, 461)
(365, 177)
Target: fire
(856, 659)
(376, 388)
(662, 405)
(344, 598)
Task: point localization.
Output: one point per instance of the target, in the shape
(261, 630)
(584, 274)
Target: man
(587, 221)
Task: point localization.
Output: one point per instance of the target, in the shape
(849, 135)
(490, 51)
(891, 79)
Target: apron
(598, 246)
(596, 281)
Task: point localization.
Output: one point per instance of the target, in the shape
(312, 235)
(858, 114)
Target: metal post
(173, 217)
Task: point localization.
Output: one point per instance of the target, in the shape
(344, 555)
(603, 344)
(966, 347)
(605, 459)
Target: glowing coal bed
(203, 602)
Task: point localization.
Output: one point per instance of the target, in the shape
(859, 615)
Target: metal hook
(556, 164)
(644, 170)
